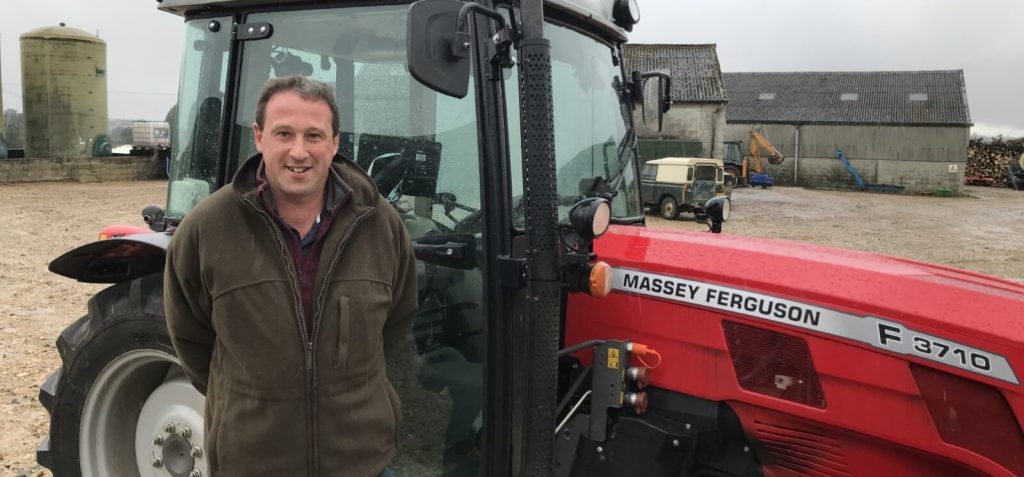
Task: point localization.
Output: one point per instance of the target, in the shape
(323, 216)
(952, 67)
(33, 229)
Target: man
(282, 291)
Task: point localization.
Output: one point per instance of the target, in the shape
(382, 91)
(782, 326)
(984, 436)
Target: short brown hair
(308, 89)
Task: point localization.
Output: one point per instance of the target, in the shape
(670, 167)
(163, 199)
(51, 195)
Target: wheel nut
(195, 473)
(158, 463)
(196, 452)
(169, 427)
(186, 432)
(158, 440)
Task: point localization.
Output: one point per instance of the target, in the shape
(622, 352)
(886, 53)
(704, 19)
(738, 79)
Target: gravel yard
(983, 232)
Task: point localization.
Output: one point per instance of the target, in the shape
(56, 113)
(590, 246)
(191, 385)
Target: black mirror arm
(462, 41)
(636, 85)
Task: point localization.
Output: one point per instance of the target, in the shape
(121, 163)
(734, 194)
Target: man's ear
(257, 137)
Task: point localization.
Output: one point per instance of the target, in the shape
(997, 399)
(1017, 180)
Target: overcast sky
(983, 38)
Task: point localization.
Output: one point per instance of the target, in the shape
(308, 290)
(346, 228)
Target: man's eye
(283, 134)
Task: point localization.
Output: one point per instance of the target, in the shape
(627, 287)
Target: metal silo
(64, 91)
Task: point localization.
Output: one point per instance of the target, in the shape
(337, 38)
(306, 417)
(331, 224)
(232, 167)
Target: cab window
(650, 172)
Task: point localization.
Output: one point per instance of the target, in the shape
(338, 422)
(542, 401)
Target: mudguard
(114, 260)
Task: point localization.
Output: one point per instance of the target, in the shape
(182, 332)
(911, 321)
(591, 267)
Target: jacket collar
(347, 184)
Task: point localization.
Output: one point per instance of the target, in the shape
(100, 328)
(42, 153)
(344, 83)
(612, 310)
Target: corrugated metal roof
(882, 97)
(696, 74)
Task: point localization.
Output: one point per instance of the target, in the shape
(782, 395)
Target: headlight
(626, 13)
(591, 217)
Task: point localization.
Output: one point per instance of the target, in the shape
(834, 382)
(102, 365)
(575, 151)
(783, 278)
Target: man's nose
(299, 148)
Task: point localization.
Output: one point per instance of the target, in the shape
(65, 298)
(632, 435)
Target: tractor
(556, 336)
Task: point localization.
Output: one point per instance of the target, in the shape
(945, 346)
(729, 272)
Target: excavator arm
(760, 143)
(752, 162)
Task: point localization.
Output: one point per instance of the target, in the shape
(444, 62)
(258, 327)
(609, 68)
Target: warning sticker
(613, 358)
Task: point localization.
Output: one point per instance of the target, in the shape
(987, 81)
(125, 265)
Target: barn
(903, 128)
(695, 124)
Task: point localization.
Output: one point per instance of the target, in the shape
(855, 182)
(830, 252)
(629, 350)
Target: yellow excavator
(748, 170)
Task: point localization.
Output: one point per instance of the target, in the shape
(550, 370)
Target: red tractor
(556, 335)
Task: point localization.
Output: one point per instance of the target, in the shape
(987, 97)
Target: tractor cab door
(422, 149)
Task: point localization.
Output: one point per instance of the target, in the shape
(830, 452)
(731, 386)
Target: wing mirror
(438, 43)
(656, 96)
(430, 40)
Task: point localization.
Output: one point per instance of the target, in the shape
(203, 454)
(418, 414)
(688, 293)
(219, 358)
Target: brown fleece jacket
(274, 405)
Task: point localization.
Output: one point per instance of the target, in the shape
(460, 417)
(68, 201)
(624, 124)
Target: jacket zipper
(308, 344)
(316, 323)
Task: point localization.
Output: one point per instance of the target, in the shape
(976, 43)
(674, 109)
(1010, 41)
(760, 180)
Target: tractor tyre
(120, 404)
(669, 209)
(732, 176)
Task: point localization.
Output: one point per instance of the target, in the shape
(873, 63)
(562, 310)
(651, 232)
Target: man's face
(298, 144)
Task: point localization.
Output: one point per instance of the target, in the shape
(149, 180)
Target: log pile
(987, 159)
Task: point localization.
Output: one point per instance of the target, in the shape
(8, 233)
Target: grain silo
(64, 91)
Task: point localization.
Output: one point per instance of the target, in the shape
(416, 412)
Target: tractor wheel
(120, 403)
(732, 176)
(669, 208)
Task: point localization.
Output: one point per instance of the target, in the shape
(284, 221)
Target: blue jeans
(387, 473)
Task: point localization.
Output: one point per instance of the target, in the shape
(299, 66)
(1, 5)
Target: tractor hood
(885, 304)
(861, 283)
(871, 354)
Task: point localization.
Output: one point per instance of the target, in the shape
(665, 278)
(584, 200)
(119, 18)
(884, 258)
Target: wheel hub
(177, 456)
(173, 421)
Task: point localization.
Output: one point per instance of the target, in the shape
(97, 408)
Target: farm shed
(907, 128)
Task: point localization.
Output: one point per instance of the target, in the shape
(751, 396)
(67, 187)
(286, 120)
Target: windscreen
(593, 153)
(705, 173)
(196, 138)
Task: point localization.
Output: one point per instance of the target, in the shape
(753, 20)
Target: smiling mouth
(298, 170)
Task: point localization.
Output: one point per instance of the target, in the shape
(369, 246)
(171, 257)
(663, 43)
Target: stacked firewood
(987, 159)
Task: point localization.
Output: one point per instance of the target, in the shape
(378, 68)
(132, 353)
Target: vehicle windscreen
(705, 173)
(196, 140)
(592, 117)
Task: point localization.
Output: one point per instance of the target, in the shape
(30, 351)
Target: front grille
(703, 191)
(802, 450)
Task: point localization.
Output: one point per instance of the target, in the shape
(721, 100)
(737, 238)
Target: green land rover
(681, 184)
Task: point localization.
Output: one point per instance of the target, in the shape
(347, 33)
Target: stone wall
(702, 122)
(99, 169)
